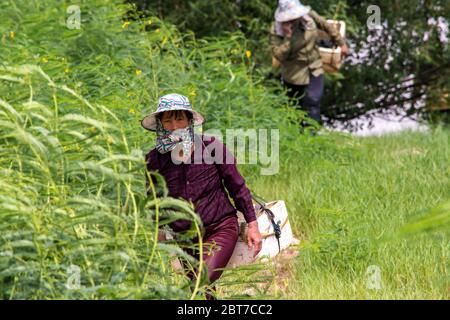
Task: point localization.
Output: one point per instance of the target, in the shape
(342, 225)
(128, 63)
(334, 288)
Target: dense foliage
(402, 65)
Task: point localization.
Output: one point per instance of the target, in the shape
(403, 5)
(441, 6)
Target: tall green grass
(73, 195)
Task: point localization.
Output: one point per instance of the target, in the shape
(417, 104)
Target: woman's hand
(344, 51)
(254, 238)
(161, 236)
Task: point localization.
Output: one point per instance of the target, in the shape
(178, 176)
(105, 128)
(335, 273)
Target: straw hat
(290, 10)
(170, 102)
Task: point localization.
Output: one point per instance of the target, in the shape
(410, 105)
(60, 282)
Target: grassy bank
(349, 201)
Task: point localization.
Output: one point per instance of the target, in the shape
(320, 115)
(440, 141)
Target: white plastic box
(242, 255)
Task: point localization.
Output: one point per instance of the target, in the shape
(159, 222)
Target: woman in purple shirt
(201, 170)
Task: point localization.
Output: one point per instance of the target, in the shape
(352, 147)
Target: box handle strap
(271, 215)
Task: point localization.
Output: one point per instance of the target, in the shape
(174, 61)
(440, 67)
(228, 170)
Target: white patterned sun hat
(290, 10)
(169, 102)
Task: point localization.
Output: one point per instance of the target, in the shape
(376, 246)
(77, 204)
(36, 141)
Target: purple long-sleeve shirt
(204, 183)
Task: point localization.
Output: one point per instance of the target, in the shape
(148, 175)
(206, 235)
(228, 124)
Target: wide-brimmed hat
(290, 10)
(170, 102)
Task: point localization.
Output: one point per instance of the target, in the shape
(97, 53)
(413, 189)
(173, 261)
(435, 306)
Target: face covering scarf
(167, 140)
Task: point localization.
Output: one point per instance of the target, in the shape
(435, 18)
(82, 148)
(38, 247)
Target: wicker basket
(331, 57)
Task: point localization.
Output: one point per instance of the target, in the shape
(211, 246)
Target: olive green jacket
(299, 56)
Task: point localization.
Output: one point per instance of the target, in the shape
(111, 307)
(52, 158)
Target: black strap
(271, 215)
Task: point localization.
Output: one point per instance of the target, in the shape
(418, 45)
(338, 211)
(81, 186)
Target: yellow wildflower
(44, 60)
(138, 72)
(132, 111)
(71, 212)
(66, 70)
(157, 30)
(125, 24)
(110, 140)
(12, 34)
(193, 93)
(248, 54)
